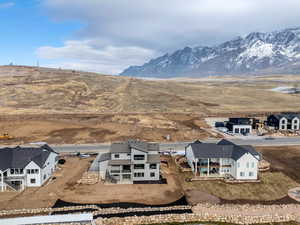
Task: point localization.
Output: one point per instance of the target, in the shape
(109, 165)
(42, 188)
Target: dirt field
(91, 128)
(33, 90)
(65, 187)
(284, 175)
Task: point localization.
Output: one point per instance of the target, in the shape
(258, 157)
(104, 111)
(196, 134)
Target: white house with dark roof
(224, 159)
(22, 167)
(285, 121)
(131, 162)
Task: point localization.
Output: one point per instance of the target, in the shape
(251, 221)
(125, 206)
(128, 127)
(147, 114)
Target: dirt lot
(91, 128)
(65, 187)
(284, 175)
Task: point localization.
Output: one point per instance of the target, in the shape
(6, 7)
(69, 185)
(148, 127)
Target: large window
(153, 166)
(32, 181)
(32, 171)
(16, 171)
(117, 156)
(139, 157)
(247, 165)
(139, 166)
(252, 164)
(251, 174)
(242, 174)
(138, 174)
(236, 130)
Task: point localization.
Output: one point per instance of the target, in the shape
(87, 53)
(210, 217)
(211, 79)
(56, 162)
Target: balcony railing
(115, 171)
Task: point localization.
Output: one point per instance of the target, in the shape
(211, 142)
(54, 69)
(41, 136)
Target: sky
(107, 36)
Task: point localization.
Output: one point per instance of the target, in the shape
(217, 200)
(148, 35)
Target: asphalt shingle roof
(125, 147)
(223, 149)
(19, 157)
(289, 116)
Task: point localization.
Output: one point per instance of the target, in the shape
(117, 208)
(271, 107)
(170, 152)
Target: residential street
(179, 146)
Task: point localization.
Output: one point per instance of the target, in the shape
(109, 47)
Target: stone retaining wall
(238, 214)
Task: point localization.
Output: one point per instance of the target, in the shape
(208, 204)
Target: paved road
(179, 146)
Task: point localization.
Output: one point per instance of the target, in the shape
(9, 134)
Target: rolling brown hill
(65, 106)
(43, 90)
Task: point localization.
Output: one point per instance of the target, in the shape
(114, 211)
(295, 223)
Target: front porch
(211, 167)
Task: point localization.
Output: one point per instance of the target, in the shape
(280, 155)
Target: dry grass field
(64, 106)
(41, 90)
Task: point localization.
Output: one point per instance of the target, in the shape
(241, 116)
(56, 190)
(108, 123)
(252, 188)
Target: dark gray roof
(125, 147)
(19, 157)
(289, 116)
(223, 149)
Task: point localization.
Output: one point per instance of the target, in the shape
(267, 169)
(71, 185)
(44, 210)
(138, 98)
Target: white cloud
(91, 56)
(6, 5)
(164, 25)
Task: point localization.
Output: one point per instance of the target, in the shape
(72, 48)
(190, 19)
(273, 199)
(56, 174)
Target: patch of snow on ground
(285, 89)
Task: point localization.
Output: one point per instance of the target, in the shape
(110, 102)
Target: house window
(282, 121)
(238, 165)
(236, 130)
(282, 127)
(295, 127)
(152, 174)
(32, 181)
(247, 130)
(138, 174)
(252, 164)
(45, 176)
(32, 171)
(295, 121)
(12, 171)
(126, 176)
(242, 174)
(153, 166)
(251, 174)
(129, 154)
(247, 165)
(117, 156)
(139, 166)
(139, 157)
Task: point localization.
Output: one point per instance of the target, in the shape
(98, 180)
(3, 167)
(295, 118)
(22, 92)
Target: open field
(66, 188)
(284, 175)
(41, 90)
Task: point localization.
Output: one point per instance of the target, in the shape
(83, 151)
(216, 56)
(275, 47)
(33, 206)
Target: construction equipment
(5, 136)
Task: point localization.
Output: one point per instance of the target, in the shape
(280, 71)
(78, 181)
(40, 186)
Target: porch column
(208, 167)
(220, 168)
(2, 182)
(195, 169)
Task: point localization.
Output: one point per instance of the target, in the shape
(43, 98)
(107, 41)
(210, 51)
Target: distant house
(239, 125)
(131, 161)
(22, 167)
(286, 121)
(224, 159)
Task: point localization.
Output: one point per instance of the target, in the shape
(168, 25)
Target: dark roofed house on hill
(223, 159)
(22, 167)
(239, 125)
(284, 121)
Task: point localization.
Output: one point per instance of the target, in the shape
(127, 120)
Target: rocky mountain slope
(274, 52)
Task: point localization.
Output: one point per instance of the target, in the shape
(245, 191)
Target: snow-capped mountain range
(257, 53)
